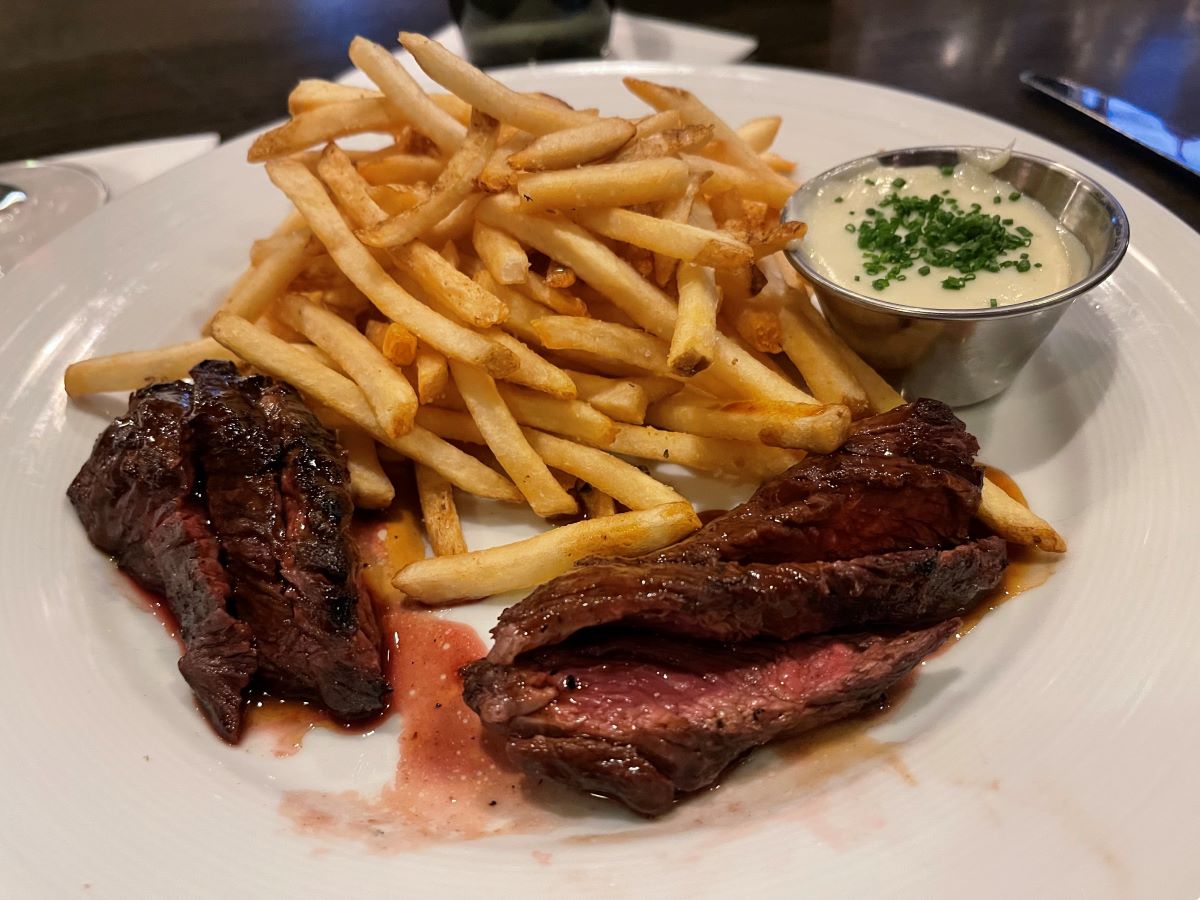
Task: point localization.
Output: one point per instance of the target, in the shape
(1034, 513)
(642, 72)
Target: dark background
(85, 73)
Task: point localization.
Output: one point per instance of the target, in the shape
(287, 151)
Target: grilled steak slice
(136, 497)
(905, 479)
(643, 717)
(278, 496)
(735, 601)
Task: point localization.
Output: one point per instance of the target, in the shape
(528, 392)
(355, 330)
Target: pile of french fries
(517, 296)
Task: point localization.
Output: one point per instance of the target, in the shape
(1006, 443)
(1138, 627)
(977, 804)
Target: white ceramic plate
(1051, 753)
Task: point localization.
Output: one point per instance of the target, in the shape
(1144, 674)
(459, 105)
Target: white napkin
(125, 166)
(632, 37)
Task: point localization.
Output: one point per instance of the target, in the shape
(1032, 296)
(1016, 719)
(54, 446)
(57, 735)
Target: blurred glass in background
(504, 32)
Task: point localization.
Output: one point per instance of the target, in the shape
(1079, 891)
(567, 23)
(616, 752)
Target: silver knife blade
(1134, 122)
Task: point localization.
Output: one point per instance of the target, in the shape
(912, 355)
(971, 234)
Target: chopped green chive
(1037, 265)
(898, 182)
(924, 270)
(947, 171)
(842, 199)
(953, 284)
(1023, 231)
(850, 227)
(879, 284)
(870, 181)
(993, 303)
(1023, 266)
(997, 199)
(1006, 221)
(856, 278)
(1015, 195)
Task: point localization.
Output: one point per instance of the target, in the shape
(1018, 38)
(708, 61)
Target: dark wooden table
(79, 75)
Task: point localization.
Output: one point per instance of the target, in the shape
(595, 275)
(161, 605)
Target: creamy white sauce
(1056, 257)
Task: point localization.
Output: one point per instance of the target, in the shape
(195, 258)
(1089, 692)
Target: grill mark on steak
(230, 500)
(733, 601)
(903, 480)
(277, 493)
(641, 717)
(136, 497)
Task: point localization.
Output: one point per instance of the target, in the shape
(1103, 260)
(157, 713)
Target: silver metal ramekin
(964, 356)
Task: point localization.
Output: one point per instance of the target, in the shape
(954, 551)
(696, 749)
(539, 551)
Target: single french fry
(606, 184)
(563, 240)
(723, 177)
(370, 487)
(574, 146)
(138, 368)
(458, 110)
(310, 93)
(278, 358)
(504, 438)
(503, 255)
(658, 122)
(534, 114)
(755, 319)
(456, 226)
(394, 199)
(695, 112)
(325, 123)
(394, 341)
(347, 185)
(433, 373)
(534, 371)
(689, 139)
(536, 288)
(559, 276)
(704, 247)
(819, 362)
(573, 418)
(1016, 522)
(439, 513)
(448, 286)
(625, 483)
(522, 311)
(497, 174)
(252, 295)
(694, 341)
(796, 426)
(597, 504)
(406, 95)
(677, 210)
(606, 339)
(759, 134)
(386, 389)
(719, 456)
(778, 163)
(481, 573)
(401, 168)
(453, 186)
(452, 339)
(618, 398)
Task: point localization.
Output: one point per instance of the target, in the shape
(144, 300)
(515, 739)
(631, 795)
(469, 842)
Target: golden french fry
(394, 199)
(795, 426)
(401, 168)
(573, 418)
(605, 339)
(453, 186)
(433, 373)
(457, 225)
(522, 311)
(677, 210)
(503, 256)
(704, 247)
(778, 163)
(481, 573)
(325, 123)
(406, 95)
(348, 186)
(625, 483)
(770, 238)
(606, 184)
(742, 459)
(694, 341)
(504, 438)
(723, 177)
(458, 110)
(658, 122)
(690, 138)
(1016, 522)
(559, 276)
(536, 288)
(448, 286)
(497, 174)
(386, 389)
(533, 370)
(596, 504)
(252, 294)
(574, 146)
(534, 114)
(138, 368)
(821, 365)
(759, 134)
(755, 319)
(310, 93)
(439, 513)
(308, 195)
(278, 358)
(620, 399)
(394, 341)
(694, 112)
